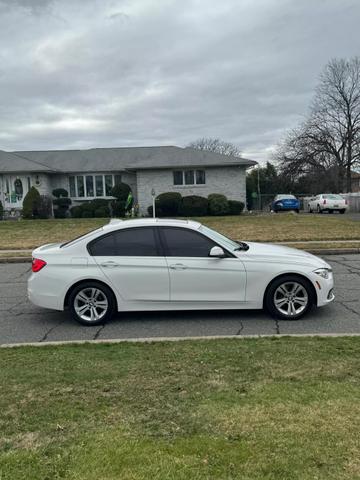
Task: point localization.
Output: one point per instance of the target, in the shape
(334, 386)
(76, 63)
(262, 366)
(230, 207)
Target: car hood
(269, 252)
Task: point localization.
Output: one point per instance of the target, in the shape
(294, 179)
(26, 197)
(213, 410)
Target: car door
(132, 260)
(196, 277)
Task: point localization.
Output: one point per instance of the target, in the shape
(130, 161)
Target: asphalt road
(20, 321)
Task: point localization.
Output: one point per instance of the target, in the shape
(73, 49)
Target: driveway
(22, 322)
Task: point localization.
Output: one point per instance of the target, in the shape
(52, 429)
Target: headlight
(323, 272)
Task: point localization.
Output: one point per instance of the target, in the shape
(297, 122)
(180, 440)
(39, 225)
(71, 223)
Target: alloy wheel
(291, 299)
(91, 304)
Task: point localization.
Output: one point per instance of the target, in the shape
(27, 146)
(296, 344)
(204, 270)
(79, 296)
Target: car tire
(289, 297)
(342, 211)
(330, 211)
(310, 210)
(99, 300)
(297, 210)
(319, 209)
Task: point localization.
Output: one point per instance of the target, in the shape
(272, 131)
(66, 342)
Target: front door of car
(196, 277)
(131, 259)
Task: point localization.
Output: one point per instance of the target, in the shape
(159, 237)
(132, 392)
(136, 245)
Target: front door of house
(15, 188)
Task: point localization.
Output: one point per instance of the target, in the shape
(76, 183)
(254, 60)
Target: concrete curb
(323, 251)
(175, 339)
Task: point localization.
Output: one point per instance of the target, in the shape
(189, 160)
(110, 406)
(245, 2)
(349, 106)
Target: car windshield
(333, 197)
(81, 237)
(219, 238)
(283, 197)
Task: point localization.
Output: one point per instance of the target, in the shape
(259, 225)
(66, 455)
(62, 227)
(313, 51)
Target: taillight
(37, 264)
(324, 202)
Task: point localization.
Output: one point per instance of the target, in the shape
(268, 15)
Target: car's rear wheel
(319, 209)
(289, 297)
(92, 303)
(342, 211)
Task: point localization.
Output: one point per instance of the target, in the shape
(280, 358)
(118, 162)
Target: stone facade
(228, 180)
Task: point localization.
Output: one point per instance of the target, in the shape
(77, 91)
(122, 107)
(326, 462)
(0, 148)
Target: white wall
(230, 181)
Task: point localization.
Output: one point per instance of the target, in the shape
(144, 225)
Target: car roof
(116, 224)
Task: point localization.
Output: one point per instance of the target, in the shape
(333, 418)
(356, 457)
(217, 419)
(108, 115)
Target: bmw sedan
(156, 264)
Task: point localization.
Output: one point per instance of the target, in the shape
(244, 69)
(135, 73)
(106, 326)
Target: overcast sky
(99, 73)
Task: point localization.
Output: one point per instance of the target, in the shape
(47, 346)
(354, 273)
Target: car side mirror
(217, 252)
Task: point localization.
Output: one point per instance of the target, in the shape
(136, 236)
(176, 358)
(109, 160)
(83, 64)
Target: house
(89, 174)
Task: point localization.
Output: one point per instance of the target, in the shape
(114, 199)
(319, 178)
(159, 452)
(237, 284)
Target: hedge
(218, 204)
(236, 207)
(168, 204)
(194, 206)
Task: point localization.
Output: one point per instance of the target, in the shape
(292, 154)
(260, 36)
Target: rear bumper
(38, 295)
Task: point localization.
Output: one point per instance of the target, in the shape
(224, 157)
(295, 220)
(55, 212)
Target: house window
(117, 179)
(200, 177)
(72, 186)
(89, 186)
(189, 177)
(178, 177)
(99, 182)
(108, 185)
(80, 186)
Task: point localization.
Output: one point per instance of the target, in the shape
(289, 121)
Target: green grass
(29, 234)
(277, 409)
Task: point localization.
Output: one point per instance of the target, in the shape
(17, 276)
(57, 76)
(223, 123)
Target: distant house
(89, 174)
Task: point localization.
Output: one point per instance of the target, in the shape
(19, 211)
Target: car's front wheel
(289, 297)
(92, 303)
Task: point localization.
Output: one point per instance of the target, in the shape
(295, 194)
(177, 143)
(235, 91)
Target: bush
(76, 212)
(62, 202)
(118, 208)
(1, 211)
(193, 205)
(60, 192)
(218, 204)
(102, 212)
(121, 191)
(87, 214)
(29, 207)
(43, 207)
(159, 213)
(236, 207)
(168, 203)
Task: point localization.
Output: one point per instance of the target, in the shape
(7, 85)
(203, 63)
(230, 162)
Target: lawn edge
(114, 341)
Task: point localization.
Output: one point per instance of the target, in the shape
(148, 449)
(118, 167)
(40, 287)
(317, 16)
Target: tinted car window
(180, 242)
(133, 242)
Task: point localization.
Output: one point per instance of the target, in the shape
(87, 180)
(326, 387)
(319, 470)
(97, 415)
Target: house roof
(114, 159)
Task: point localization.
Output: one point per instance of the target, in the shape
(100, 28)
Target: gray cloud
(78, 74)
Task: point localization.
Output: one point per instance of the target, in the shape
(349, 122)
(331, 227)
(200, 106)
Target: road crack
(97, 334)
(45, 337)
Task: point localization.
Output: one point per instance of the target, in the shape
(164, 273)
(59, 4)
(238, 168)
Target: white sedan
(328, 202)
(155, 264)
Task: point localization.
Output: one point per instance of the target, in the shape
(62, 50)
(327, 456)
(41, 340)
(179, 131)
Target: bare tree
(330, 137)
(216, 145)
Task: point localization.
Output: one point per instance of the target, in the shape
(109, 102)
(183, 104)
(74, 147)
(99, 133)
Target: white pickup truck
(328, 202)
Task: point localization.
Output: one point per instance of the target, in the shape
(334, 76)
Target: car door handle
(109, 264)
(178, 266)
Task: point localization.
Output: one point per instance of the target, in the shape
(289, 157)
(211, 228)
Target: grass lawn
(268, 228)
(281, 409)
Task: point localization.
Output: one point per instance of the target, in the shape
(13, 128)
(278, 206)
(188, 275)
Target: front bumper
(324, 289)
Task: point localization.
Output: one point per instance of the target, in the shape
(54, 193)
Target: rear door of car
(132, 259)
(196, 277)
